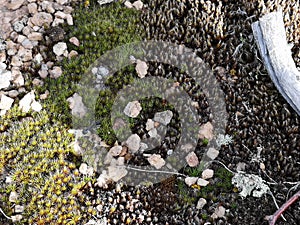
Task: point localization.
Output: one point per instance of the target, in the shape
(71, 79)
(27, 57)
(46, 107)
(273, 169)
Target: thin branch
(274, 217)
(4, 214)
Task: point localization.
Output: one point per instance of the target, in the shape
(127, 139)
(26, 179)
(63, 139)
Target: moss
(99, 29)
(35, 153)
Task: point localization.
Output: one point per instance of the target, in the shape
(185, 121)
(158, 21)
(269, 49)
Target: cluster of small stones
(26, 26)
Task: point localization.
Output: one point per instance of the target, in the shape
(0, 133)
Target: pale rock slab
(201, 182)
(116, 150)
(5, 103)
(5, 79)
(60, 49)
(206, 131)
(207, 173)
(133, 109)
(41, 18)
(201, 203)
(116, 173)
(163, 117)
(190, 180)
(77, 106)
(133, 143)
(157, 161)
(141, 68)
(192, 159)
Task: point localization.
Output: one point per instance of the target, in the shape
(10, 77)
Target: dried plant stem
(275, 216)
(4, 214)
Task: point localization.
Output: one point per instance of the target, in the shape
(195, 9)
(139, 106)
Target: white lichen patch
(250, 184)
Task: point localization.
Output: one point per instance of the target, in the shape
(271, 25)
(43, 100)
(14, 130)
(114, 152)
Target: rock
(55, 72)
(13, 196)
(24, 54)
(102, 180)
(18, 26)
(2, 67)
(133, 109)
(17, 77)
(16, 61)
(21, 38)
(32, 8)
(43, 73)
(37, 82)
(102, 2)
(69, 19)
(116, 172)
(153, 133)
(77, 106)
(60, 49)
(206, 131)
(27, 43)
(212, 153)
(116, 150)
(138, 5)
(47, 6)
(74, 41)
(60, 15)
(201, 203)
(128, 4)
(2, 56)
(5, 102)
(141, 68)
(133, 143)
(192, 159)
(72, 54)
(62, 2)
(57, 21)
(149, 124)
(45, 95)
(13, 93)
(28, 102)
(219, 212)
(36, 106)
(201, 182)
(163, 117)
(86, 170)
(35, 36)
(207, 173)
(11, 48)
(156, 160)
(241, 166)
(16, 218)
(190, 180)
(5, 79)
(19, 208)
(38, 58)
(41, 18)
(15, 4)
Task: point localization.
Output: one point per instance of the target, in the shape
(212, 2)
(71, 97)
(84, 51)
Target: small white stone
(201, 182)
(16, 218)
(212, 153)
(19, 209)
(128, 4)
(138, 5)
(36, 106)
(117, 172)
(41, 18)
(190, 180)
(157, 161)
(85, 169)
(32, 8)
(38, 58)
(133, 143)
(192, 159)
(163, 117)
(219, 212)
(21, 38)
(13, 196)
(74, 41)
(201, 203)
(8, 179)
(116, 150)
(69, 19)
(56, 72)
(207, 173)
(35, 36)
(60, 48)
(141, 68)
(25, 102)
(206, 131)
(133, 109)
(5, 79)
(77, 106)
(60, 14)
(149, 124)
(5, 102)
